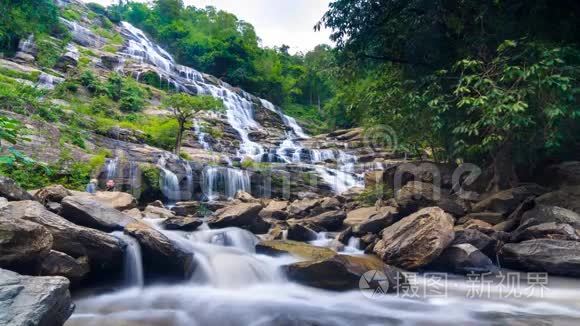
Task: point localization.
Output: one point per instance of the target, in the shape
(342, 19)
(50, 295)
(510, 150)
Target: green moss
(110, 48)
(71, 14)
(49, 51)
(31, 76)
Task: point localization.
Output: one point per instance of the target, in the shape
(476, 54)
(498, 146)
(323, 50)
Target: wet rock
(330, 221)
(416, 195)
(384, 217)
(556, 257)
(506, 201)
(551, 230)
(88, 212)
(479, 240)
(157, 203)
(568, 198)
(186, 208)
(304, 207)
(23, 245)
(244, 215)
(342, 273)
(360, 215)
(60, 264)
(417, 239)
(182, 223)
(275, 209)
(345, 235)
(297, 249)
(160, 255)
(463, 259)
(330, 203)
(299, 232)
(488, 217)
(477, 225)
(155, 212)
(563, 174)
(104, 251)
(546, 214)
(55, 193)
(27, 300)
(11, 191)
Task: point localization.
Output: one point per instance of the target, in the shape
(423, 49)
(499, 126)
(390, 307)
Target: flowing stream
(232, 285)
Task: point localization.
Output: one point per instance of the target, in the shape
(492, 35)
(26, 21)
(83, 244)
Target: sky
(276, 22)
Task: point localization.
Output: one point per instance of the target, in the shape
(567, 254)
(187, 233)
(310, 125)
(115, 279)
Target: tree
(184, 107)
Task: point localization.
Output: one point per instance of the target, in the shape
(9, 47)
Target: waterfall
(133, 264)
(288, 121)
(200, 135)
(111, 168)
(224, 181)
(27, 45)
(169, 181)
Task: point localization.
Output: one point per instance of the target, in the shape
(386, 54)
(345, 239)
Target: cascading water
(201, 135)
(224, 181)
(133, 265)
(111, 168)
(169, 180)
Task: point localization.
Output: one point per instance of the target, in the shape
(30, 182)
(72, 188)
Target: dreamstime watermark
(503, 285)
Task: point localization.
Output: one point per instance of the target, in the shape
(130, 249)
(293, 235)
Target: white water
(224, 181)
(201, 135)
(169, 182)
(111, 168)
(234, 286)
(133, 275)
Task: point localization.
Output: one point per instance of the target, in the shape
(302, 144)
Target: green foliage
(372, 194)
(49, 51)
(10, 131)
(71, 14)
(31, 76)
(21, 18)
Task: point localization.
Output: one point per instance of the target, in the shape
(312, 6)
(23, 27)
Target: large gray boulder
(86, 211)
(57, 263)
(105, 252)
(568, 197)
(343, 273)
(275, 209)
(330, 221)
(416, 195)
(244, 215)
(384, 217)
(556, 257)
(417, 239)
(38, 301)
(463, 259)
(160, 254)
(11, 191)
(23, 245)
(548, 214)
(551, 230)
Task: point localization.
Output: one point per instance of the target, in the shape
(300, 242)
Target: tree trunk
(178, 138)
(503, 168)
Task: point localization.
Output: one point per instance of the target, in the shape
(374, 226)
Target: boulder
(157, 203)
(416, 195)
(360, 215)
(182, 223)
(112, 199)
(134, 213)
(27, 300)
(160, 255)
(417, 239)
(463, 259)
(506, 201)
(57, 263)
(304, 207)
(299, 232)
(275, 210)
(343, 273)
(330, 221)
(344, 236)
(551, 230)
(330, 203)
(384, 217)
(155, 212)
(88, 212)
(546, 214)
(297, 249)
(492, 218)
(479, 240)
(556, 257)
(23, 245)
(186, 208)
(55, 193)
(53, 207)
(104, 251)
(244, 215)
(568, 197)
(245, 197)
(11, 191)
(477, 225)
